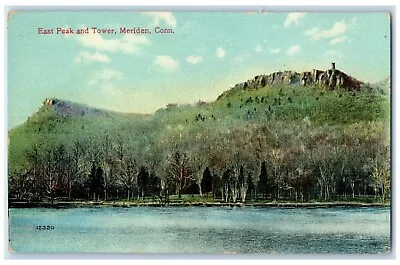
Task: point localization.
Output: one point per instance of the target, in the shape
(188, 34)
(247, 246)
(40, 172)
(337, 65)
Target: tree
(19, 184)
(107, 162)
(234, 184)
(143, 182)
(199, 157)
(250, 187)
(263, 180)
(96, 184)
(243, 185)
(156, 159)
(216, 185)
(76, 166)
(154, 188)
(381, 177)
(180, 171)
(126, 169)
(276, 158)
(51, 178)
(127, 173)
(206, 182)
(32, 176)
(225, 181)
(218, 159)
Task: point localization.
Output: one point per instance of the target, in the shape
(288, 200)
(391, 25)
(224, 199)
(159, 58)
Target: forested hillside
(269, 142)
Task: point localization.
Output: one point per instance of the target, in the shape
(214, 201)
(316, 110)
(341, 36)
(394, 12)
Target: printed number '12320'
(45, 227)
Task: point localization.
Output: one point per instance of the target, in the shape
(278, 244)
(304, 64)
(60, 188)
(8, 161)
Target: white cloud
(293, 50)
(104, 75)
(86, 57)
(166, 62)
(258, 48)
(337, 29)
(276, 50)
(220, 53)
(293, 18)
(126, 44)
(167, 17)
(193, 59)
(312, 32)
(337, 40)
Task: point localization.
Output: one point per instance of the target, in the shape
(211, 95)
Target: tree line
(230, 163)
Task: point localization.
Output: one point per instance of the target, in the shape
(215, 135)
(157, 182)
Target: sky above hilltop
(207, 54)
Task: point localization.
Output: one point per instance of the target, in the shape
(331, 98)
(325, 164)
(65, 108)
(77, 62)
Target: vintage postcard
(199, 132)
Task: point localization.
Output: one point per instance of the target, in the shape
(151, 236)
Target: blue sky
(207, 54)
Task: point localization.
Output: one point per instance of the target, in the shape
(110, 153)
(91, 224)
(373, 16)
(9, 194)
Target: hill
(278, 136)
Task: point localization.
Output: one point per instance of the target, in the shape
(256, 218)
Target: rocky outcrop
(66, 108)
(49, 102)
(286, 77)
(330, 79)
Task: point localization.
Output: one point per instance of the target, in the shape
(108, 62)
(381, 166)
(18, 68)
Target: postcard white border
(207, 5)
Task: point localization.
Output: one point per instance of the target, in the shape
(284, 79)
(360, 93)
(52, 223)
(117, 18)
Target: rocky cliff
(330, 79)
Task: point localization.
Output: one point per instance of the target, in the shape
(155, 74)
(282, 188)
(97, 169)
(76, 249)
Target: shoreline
(89, 204)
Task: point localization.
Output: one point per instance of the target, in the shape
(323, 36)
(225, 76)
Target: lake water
(212, 230)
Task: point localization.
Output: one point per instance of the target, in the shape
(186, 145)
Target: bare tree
(126, 169)
(181, 171)
(381, 177)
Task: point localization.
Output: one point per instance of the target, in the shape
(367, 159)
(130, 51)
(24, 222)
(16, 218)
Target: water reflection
(202, 230)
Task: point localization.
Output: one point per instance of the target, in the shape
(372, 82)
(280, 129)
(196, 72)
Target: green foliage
(294, 142)
(297, 103)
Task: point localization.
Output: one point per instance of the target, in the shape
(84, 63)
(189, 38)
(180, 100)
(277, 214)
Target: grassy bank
(125, 204)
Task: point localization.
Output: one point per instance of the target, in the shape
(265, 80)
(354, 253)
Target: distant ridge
(55, 108)
(330, 79)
